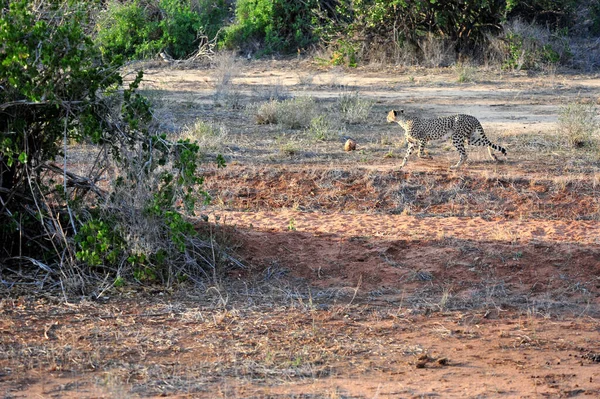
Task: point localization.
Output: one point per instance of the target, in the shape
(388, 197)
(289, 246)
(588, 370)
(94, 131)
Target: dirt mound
(440, 193)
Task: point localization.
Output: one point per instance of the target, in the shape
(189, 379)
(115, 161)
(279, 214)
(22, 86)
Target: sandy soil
(361, 280)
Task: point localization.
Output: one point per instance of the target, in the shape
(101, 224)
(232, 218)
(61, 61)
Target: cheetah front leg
(409, 150)
(459, 144)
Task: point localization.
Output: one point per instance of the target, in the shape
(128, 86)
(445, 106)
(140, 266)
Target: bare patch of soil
(175, 347)
(361, 280)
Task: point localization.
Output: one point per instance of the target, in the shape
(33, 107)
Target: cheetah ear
(401, 111)
(394, 112)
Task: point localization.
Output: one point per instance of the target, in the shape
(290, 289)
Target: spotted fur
(459, 127)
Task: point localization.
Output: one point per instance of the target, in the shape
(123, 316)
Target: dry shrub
(437, 52)
(353, 108)
(294, 113)
(496, 50)
(586, 53)
(224, 64)
(209, 136)
(266, 113)
(578, 123)
(397, 52)
(321, 128)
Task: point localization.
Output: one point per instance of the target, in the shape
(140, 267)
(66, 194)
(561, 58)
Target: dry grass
(226, 69)
(354, 109)
(578, 122)
(211, 137)
(271, 335)
(465, 73)
(294, 113)
(418, 194)
(437, 52)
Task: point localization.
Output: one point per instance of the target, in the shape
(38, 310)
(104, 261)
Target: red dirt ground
(360, 282)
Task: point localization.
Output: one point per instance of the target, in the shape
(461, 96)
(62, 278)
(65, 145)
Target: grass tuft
(294, 113)
(464, 73)
(577, 121)
(210, 136)
(225, 71)
(354, 109)
(322, 129)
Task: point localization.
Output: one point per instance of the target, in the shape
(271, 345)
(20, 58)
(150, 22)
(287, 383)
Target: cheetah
(460, 127)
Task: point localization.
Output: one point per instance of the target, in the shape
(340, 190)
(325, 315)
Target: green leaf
(23, 157)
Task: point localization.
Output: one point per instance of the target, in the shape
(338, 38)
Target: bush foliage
(74, 231)
(367, 30)
(140, 29)
(279, 25)
(427, 32)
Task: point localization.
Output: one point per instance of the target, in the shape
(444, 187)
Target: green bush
(530, 46)
(55, 93)
(49, 86)
(139, 29)
(179, 27)
(98, 243)
(125, 31)
(212, 15)
(280, 25)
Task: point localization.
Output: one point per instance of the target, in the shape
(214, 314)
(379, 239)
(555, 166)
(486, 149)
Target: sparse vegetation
(464, 73)
(294, 113)
(578, 122)
(288, 146)
(322, 128)
(353, 108)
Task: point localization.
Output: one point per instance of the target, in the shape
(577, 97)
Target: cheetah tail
(498, 148)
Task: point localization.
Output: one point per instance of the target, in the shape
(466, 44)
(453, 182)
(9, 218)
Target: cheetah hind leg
(460, 147)
(492, 147)
(478, 138)
(492, 155)
(421, 153)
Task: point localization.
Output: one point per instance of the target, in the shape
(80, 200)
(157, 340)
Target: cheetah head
(392, 116)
